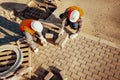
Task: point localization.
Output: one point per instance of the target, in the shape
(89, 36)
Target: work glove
(61, 32)
(43, 41)
(73, 36)
(36, 50)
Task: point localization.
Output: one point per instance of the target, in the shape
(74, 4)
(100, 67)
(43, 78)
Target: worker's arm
(62, 27)
(80, 25)
(64, 17)
(63, 23)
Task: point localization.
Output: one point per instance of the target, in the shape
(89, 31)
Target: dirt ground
(101, 17)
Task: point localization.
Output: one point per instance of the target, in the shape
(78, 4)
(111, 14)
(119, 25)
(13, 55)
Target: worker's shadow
(20, 10)
(13, 6)
(8, 31)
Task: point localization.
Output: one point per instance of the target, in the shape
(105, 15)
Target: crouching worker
(30, 27)
(73, 17)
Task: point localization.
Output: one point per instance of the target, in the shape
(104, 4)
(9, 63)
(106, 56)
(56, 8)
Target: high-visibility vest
(70, 9)
(25, 25)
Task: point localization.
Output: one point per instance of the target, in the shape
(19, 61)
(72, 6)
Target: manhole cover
(38, 10)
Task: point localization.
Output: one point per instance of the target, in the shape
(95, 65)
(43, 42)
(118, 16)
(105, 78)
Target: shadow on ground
(13, 6)
(41, 73)
(10, 31)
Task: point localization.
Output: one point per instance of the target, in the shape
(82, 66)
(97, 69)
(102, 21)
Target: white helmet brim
(36, 26)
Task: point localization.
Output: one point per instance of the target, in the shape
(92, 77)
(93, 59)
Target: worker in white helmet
(30, 27)
(72, 16)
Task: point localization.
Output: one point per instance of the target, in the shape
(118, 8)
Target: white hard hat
(36, 26)
(74, 16)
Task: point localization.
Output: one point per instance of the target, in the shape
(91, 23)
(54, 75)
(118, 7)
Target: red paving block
(87, 72)
(68, 60)
(78, 68)
(112, 78)
(75, 63)
(68, 73)
(99, 69)
(85, 45)
(64, 77)
(76, 77)
(82, 61)
(98, 56)
(72, 70)
(97, 76)
(73, 58)
(107, 60)
(83, 51)
(66, 67)
(85, 66)
(61, 40)
(117, 74)
(103, 45)
(87, 48)
(87, 59)
(85, 55)
(95, 51)
(49, 35)
(111, 65)
(104, 75)
(93, 70)
(49, 76)
(90, 78)
(102, 62)
(57, 63)
(109, 73)
(82, 75)
(90, 65)
(70, 64)
(105, 67)
(72, 53)
(66, 55)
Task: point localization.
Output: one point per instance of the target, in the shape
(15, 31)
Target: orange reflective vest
(70, 9)
(25, 25)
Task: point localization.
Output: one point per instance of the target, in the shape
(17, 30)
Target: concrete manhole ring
(18, 59)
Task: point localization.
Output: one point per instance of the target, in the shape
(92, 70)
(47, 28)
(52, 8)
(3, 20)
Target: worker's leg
(30, 40)
(43, 40)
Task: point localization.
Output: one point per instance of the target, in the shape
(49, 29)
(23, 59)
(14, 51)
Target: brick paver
(82, 59)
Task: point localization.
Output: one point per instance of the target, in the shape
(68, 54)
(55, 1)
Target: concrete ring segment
(18, 59)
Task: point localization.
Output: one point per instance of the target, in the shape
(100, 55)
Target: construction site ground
(85, 58)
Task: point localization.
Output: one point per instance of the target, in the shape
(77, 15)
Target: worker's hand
(43, 41)
(73, 36)
(36, 50)
(61, 32)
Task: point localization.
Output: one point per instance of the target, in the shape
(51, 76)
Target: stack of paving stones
(10, 57)
(62, 40)
(50, 73)
(38, 10)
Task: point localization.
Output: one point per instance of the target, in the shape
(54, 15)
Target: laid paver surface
(82, 59)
